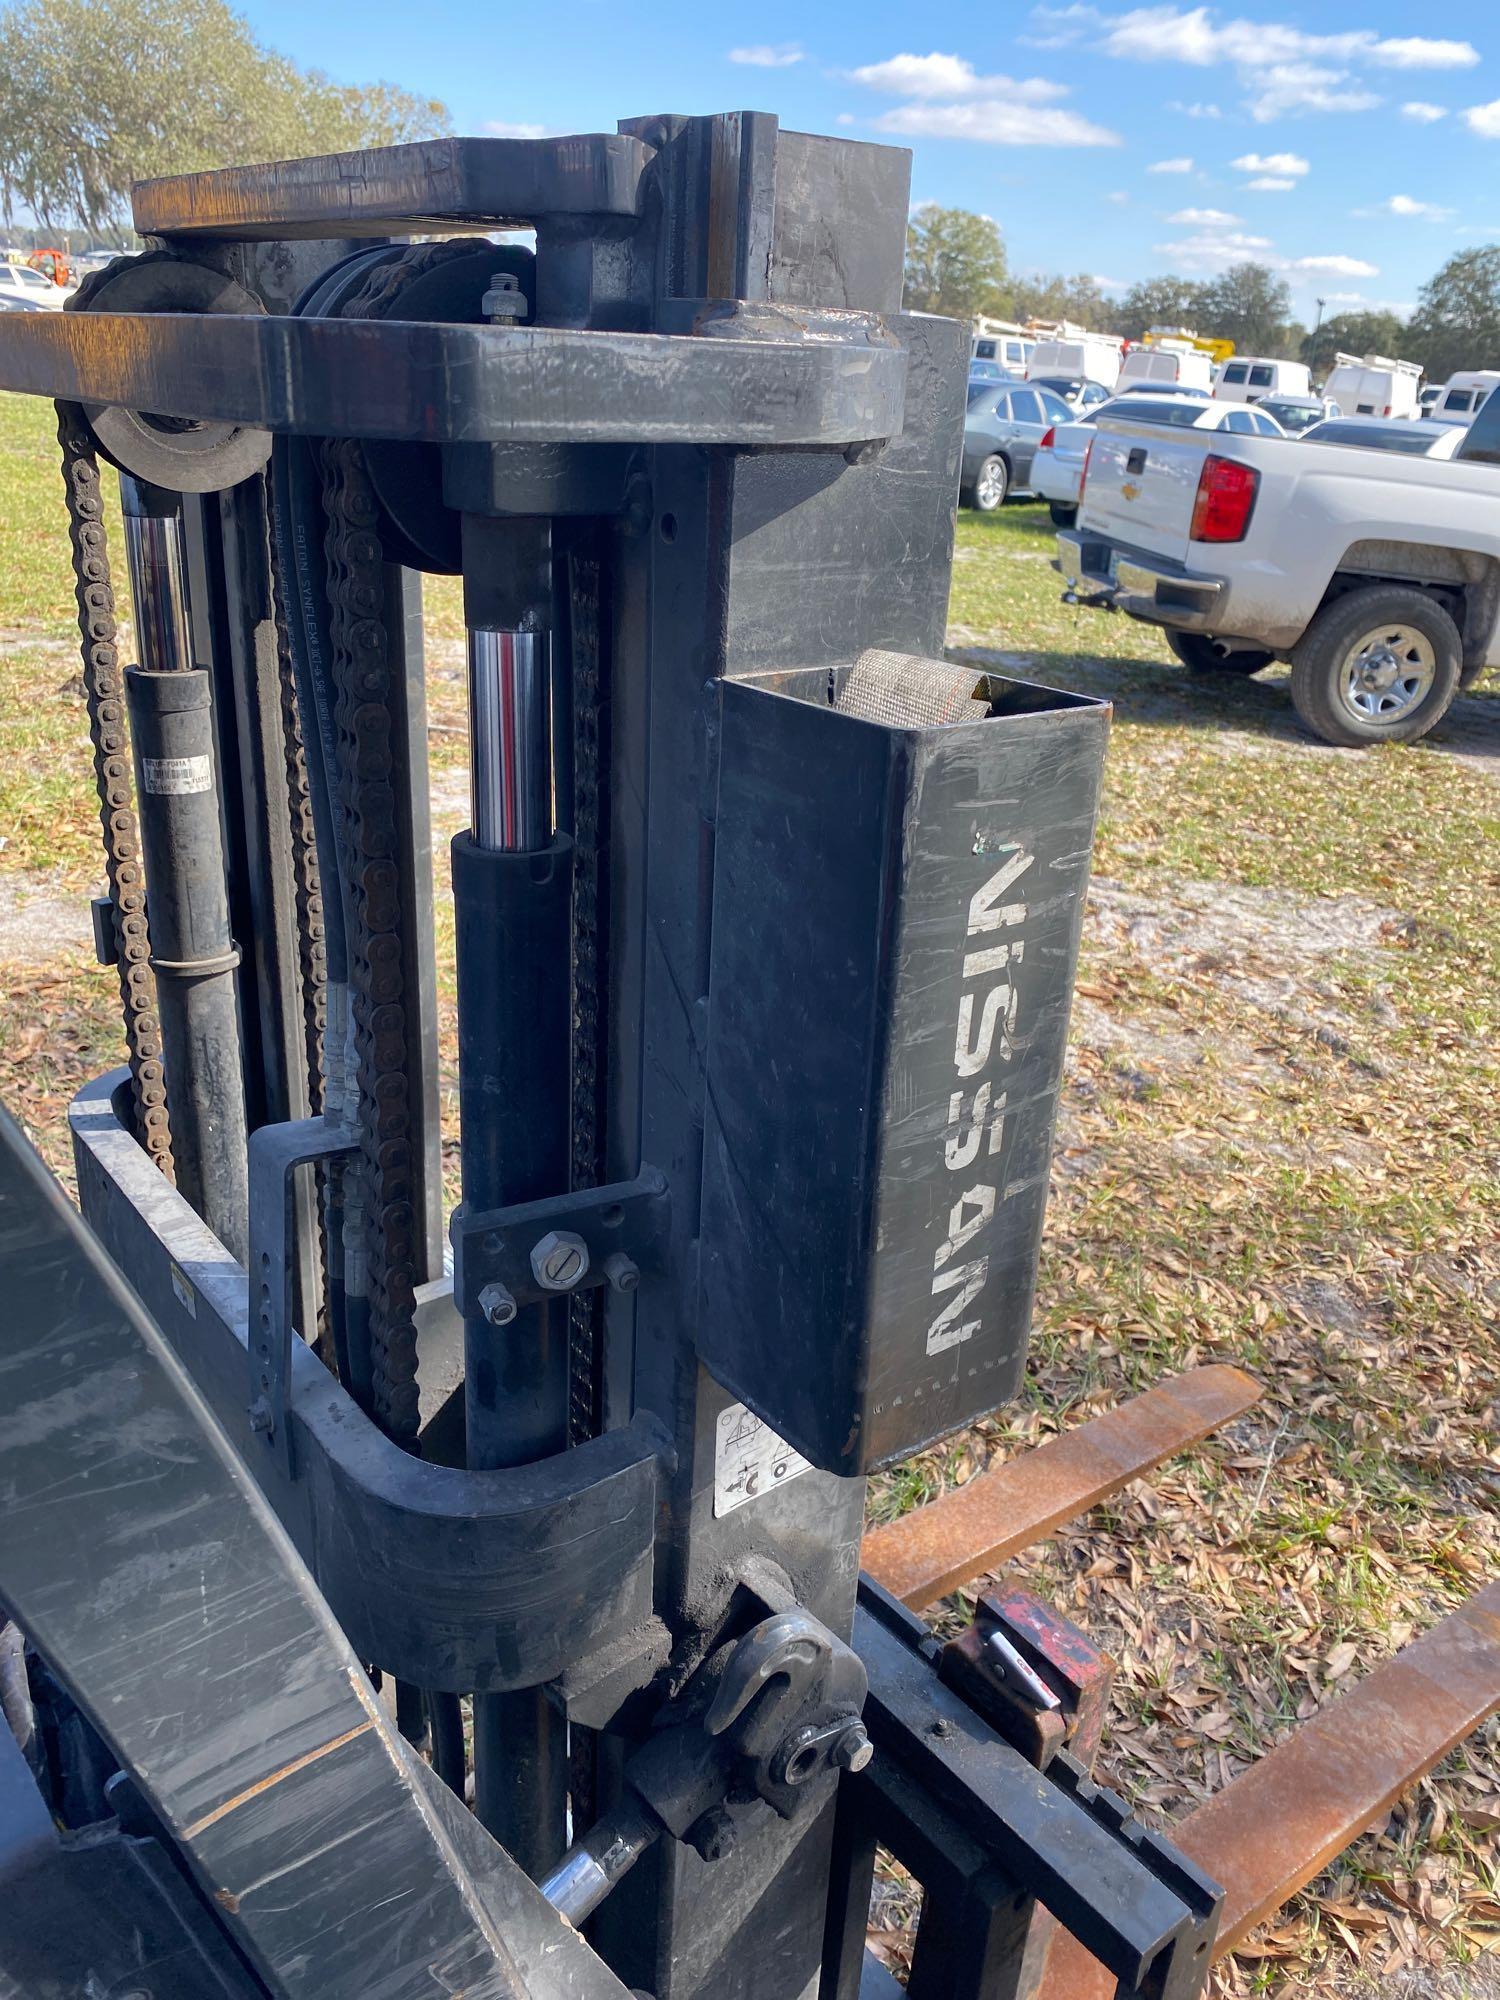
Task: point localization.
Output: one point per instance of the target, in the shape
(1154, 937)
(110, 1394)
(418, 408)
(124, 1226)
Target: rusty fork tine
(1278, 1824)
(967, 1533)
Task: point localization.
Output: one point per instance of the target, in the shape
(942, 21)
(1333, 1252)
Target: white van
(1168, 361)
(1372, 385)
(1245, 378)
(1003, 341)
(1094, 357)
(1463, 394)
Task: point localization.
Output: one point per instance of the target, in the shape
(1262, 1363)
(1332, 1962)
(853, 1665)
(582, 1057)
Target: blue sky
(1352, 146)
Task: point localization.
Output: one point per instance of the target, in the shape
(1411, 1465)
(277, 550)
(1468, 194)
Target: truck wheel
(1472, 675)
(1378, 666)
(1196, 650)
(1062, 517)
(992, 485)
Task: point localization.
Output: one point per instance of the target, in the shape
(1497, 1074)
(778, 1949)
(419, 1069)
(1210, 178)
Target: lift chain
(364, 686)
(586, 1309)
(104, 690)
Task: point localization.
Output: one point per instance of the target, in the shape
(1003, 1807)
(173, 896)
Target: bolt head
(497, 1305)
(853, 1750)
(715, 1835)
(560, 1260)
(622, 1271)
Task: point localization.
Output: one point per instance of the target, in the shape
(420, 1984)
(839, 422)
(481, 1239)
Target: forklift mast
(386, 1621)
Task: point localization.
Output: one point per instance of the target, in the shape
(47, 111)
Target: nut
(715, 1835)
(560, 1260)
(497, 1304)
(854, 1749)
(504, 301)
(622, 1271)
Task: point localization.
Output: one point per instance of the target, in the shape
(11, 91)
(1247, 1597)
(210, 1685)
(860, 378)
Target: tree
(1354, 333)
(1160, 302)
(1249, 305)
(1457, 320)
(98, 94)
(955, 262)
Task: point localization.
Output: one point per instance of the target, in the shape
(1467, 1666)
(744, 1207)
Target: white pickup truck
(1374, 572)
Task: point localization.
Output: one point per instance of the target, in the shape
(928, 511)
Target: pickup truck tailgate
(1141, 486)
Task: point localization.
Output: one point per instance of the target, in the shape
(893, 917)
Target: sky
(1352, 147)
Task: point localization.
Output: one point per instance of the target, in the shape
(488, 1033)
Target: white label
(749, 1459)
(186, 1296)
(171, 776)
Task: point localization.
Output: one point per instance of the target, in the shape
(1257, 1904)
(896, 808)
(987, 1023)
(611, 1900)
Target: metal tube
(192, 952)
(510, 740)
(590, 1869)
(513, 910)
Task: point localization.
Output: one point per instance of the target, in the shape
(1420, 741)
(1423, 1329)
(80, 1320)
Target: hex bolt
(504, 302)
(715, 1835)
(498, 1304)
(560, 1260)
(622, 1272)
(854, 1749)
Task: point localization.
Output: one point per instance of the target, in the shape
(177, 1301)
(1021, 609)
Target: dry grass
(1278, 1147)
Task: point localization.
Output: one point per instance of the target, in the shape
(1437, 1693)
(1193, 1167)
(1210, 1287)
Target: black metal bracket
(964, 1811)
(276, 1151)
(626, 1220)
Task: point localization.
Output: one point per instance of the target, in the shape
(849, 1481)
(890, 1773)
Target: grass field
(1278, 1147)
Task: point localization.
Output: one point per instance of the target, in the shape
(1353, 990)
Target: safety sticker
(749, 1460)
(172, 776)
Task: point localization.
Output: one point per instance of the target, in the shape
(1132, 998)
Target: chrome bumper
(1098, 573)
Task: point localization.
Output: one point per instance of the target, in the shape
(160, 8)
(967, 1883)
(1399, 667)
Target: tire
(1196, 650)
(1472, 675)
(991, 485)
(1062, 517)
(1379, 665)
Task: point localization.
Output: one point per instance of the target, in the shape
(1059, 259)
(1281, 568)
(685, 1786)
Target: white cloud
(1290, 166)
(938, 76)
(1181, 166)
(1281, 68)
(1333, 267)
(1118, 196)
(1344, 299)
(768, 55)
(498, 128)
(1204, 218)
(1423, 114)
(1215, 248)
(1281, 88)
(1269, 184)
(994, 122)
(1403, 204)
(1484, 119)
(1195, 110)
(949, 99)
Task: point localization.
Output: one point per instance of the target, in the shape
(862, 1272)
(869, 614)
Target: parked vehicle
(1428, 396)
(1375, 579)
(1077, 391)
(1297, 414)
(1164, 389)
(1074, 351)
(1372, 385)
(18, 282)
(1057, 469)
(1390, 434)
(1001, 433)
(1002, 341)
(1248, 377)
(1168, 360)
(1463, 396)
(991, 371)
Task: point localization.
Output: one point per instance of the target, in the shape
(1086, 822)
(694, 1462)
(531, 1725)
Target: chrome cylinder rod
(510, 740)
(155, 555)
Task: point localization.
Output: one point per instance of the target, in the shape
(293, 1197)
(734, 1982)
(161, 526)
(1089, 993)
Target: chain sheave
(366, 795)
(104, 691)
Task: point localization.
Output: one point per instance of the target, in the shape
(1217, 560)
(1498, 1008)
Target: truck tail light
(1049, 438)
(1386, 411)
(1083, 477)
(1225, 500)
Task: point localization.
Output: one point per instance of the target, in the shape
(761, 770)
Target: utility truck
(1073, 350)
(1375, 573)
(1373, 385)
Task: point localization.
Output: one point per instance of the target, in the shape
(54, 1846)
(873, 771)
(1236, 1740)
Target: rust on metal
(965, 1534)
(1279, 1823)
